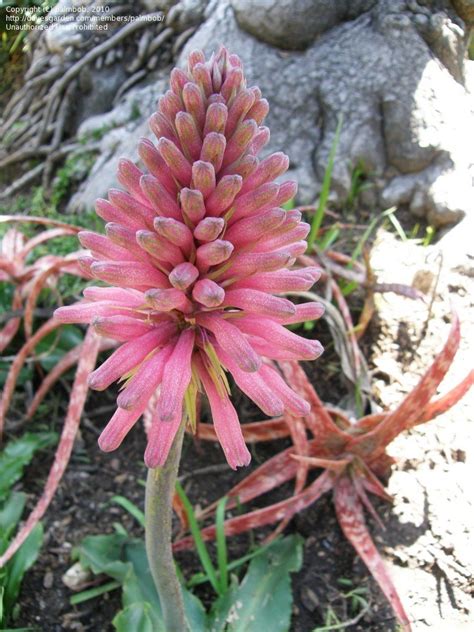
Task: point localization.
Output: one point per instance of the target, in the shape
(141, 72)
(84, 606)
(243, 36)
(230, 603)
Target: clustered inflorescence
(195, 255)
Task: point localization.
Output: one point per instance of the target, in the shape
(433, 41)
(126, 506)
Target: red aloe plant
(352, 455)
(29, 279)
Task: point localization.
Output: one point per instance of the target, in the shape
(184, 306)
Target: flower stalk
(159, 493)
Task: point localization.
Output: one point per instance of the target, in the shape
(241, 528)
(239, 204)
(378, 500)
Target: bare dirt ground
(427, 539)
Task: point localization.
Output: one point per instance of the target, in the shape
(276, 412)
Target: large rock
(395, 72)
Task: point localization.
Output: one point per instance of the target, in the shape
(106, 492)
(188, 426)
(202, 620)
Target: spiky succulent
(196, 252)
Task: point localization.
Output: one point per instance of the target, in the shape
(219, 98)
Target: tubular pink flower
(196, 251)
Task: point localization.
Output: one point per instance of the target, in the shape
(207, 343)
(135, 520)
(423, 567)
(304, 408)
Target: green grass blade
(86, 595)
(329, 238)
(368, 231)
(132, 509)
(398, 227)
(326, 187)
(221, 545)
(196, 533)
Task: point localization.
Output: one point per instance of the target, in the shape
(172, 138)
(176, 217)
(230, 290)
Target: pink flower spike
(109, 213)
(156, 165)
(293, 403)
(278, 336)
(243, 167)
(176, 161)
(176, 232)
(124, 297)
(125, 238)
(160, 440)
(197, 252)
(239, 108)
(239, 142)
(253, 201)
(257, 302)
(250, 229)
(138, 276)
(295, 249)
(145, 380)
(259, 141)
(169, 299)
(162, 202)
(208, 293)
(176, 378)
(213, 253)
(161, 126)
(277, 282)
(195, 57)
(204, 177)
(232, 341)
(202, 77)
(183, 275)
(213, 149)
(194, 103)
(223, 195)
(253, 385)
(159, 248)
(269, 169)
(178, 79)
(286, 193)
(128, 174)
(168, 106)
(192, 203)
(189, 136)
(118, 427)
(259, 111)
(216, 118)
(130, 355)
(226, 423)
(85, 312)
(233, 82)
(121, 327)
(303, 313)
(246, 265)
(100, 246)
(209, 229)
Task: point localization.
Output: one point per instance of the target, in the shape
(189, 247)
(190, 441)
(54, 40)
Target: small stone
(48, 579)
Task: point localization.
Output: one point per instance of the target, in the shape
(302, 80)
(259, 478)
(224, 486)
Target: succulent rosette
(196, 253)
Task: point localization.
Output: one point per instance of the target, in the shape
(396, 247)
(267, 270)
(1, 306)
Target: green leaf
(124, 559)
(17, 454)
(198, 540)
(325, 189)
(136, 617)
(10, 515)
(221, 545)
(23, 559)
(132, 509)
(92, 593)
(263, 600)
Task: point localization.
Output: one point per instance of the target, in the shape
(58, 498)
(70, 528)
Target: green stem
(159, 493)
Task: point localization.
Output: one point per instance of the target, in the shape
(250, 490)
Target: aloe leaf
(17, 454)
(263, 600)
(351, 518)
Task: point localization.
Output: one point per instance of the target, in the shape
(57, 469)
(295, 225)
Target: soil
(426, 542)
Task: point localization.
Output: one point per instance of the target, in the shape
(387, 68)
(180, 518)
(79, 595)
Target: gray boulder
(394, 70)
